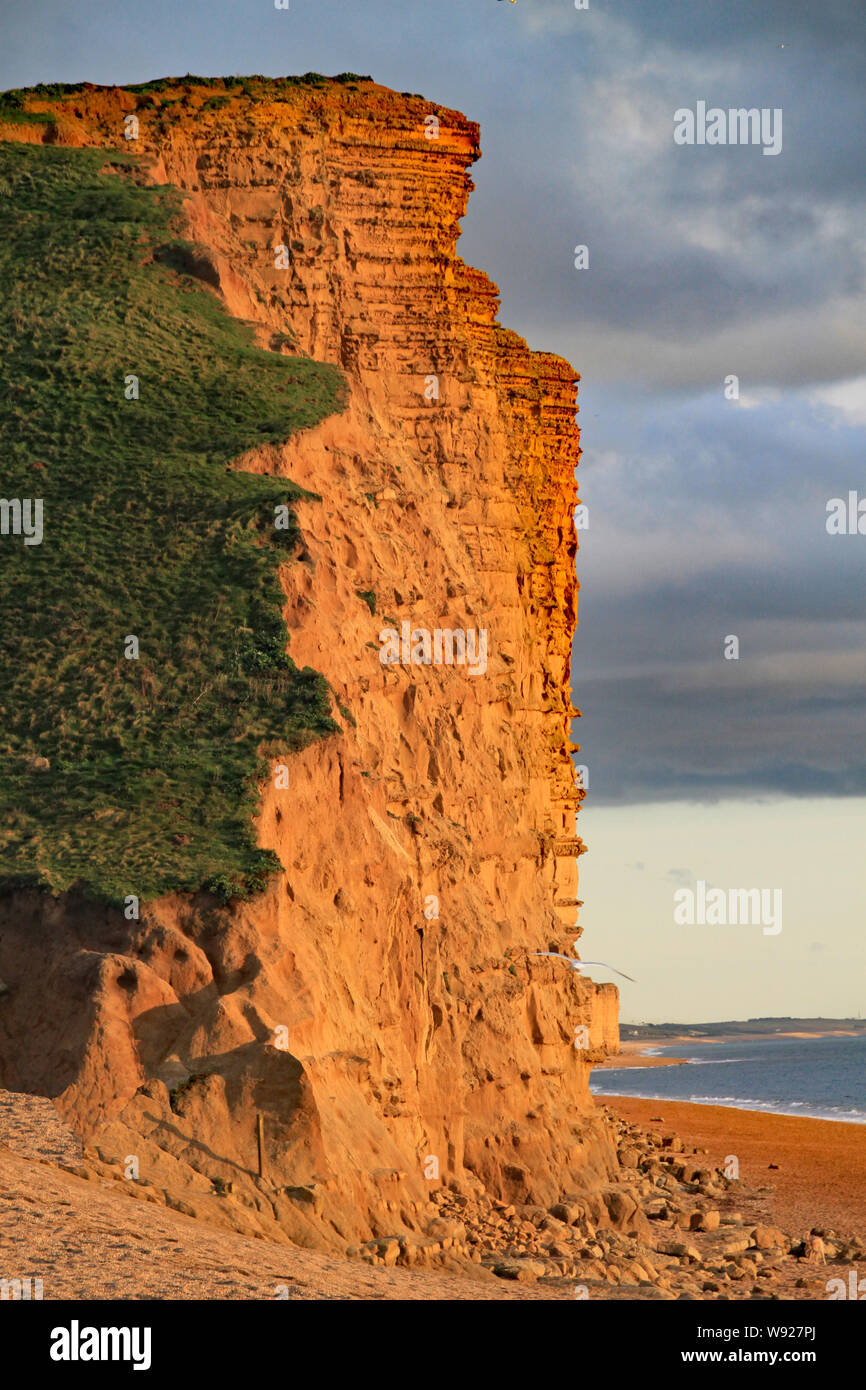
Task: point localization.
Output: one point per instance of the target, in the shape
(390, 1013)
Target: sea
(821, 1077)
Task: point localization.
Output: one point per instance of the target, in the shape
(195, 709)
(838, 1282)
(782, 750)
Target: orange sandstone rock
(377, 1005)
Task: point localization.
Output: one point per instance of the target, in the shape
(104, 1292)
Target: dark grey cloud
(709, 519)
(651, 742)
(803, 26)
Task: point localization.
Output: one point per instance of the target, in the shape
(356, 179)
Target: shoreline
(641, 1052)
(819, 1172)
(723, 1105)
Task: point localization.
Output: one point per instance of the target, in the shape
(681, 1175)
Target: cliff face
(377, 1005)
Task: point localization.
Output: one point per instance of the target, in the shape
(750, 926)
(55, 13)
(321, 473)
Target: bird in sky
(579, 965)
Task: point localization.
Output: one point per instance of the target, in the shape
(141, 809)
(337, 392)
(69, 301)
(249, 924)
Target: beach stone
(701, 1175)
(768, 1238)
(569, 1215)
(591, 1205)
(443, 1230)
(704, 1221)
(734, 1246)
(558, 1251)
(554, 1225)
(679, 1249)
(620, 1207)
(523, 1271)
(388, 1250)
(680, 1217)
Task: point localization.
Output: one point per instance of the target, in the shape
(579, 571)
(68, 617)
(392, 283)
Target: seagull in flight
(579, 965)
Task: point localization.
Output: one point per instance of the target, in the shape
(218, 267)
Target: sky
(707, 514)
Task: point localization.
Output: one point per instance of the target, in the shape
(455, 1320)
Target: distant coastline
(636, 1052)
(741, 1030)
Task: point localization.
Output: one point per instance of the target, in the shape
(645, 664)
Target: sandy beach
(820, 1179)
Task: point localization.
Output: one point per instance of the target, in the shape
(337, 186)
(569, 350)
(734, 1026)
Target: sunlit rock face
(376, 1005)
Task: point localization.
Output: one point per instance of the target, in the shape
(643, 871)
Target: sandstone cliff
(376, 1006)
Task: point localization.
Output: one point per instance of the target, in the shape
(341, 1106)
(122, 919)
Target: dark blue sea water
(822, 1077)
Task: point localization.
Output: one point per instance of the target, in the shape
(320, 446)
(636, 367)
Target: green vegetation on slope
(137, 776)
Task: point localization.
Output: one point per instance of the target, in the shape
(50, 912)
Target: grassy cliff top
(16, 98)
(137, 776)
